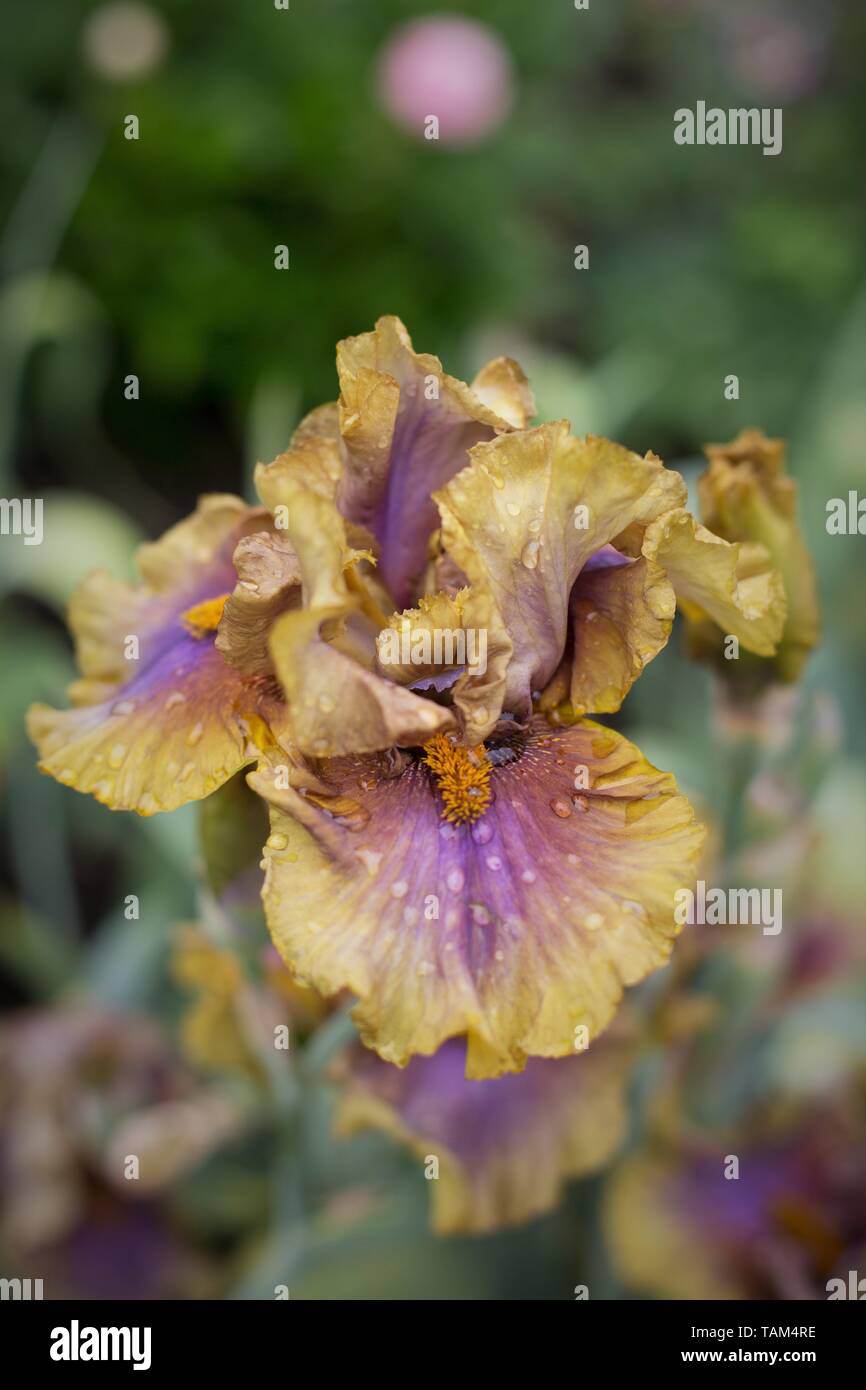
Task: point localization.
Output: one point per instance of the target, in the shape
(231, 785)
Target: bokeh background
(155, 257)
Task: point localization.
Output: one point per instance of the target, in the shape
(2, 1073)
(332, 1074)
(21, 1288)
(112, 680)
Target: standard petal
(708, 578)
(407, 428)
(517, 930)
(172, 720)
(525, 517)
(621, 615)
(505, 1148)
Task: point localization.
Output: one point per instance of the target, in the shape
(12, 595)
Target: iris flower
(679, 1226)
(452, 840)
(747, 497)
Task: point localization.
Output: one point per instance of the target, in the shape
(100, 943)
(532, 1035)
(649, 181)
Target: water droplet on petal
(572, 858)
(480, 916)
(455, 879)
(370, 858)
(277, 841)
(593, 921)
(426, 968)
(528, 876)
(529, 554)
(175, 698)
(482, 833)
(499, 955)
(123, 707)
(580, 803)
(493, 862)
(327, 703)
(399, 889)
(534, 526)
(512, 509)
(560, 807)
(411, 916)
(117, 755)
(194, 735)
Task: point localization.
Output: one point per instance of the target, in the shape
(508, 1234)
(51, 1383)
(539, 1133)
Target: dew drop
(411, 916)
(123, 707)
(528, 876)
(426, 968)
(186, 771)
(480, 916)
(493, 862)
(482, 833)
(399, 889)
(117, 755)
(561, 807)
(593, 921)
(534, 526)
(370, 858)
(277, 841)
(572, 858)
(580, 803)
(327, 703)
(194, 735)
(512, 509)
(455, 879)
(448, 830)
(499, 955)
(529, 555)
(175, 698)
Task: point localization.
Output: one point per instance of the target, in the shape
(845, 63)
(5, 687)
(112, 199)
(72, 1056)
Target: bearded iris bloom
(459, 846)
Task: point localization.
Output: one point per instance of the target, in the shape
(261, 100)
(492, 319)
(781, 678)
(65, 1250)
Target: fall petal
(505, 1147)
(517, 930)
(183, 721)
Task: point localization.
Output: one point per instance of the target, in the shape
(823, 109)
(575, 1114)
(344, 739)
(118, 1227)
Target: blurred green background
(155, 257)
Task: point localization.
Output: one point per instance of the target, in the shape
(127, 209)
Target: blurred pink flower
(448, 67)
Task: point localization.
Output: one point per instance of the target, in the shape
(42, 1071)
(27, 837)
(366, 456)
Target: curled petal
(506, 1147)
(337, 705)
(525, 517)
(502, 386)
(171, 720)
(708, 578)
(621, 616)
(269, 583)
(516, 930)
(407, 427)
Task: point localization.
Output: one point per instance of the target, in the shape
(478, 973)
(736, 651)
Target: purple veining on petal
(428, 448)
(608, 557)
